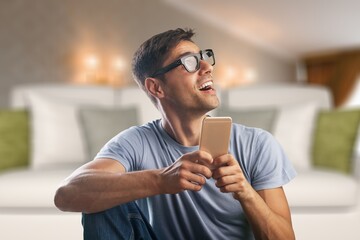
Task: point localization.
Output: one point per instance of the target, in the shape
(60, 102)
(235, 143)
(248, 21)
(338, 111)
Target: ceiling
(288, 28)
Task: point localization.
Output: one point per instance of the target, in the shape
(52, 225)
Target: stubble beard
(205, 105)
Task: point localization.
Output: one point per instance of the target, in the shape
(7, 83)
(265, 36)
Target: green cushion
(259, 118)
(100, 124)
(14, 139)
(335, 136)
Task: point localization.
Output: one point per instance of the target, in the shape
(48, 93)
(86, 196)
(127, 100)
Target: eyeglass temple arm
(167, 68)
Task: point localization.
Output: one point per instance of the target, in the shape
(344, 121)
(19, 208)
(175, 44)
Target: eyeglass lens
(192, 62)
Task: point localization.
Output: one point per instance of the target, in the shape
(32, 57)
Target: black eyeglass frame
(181, 61)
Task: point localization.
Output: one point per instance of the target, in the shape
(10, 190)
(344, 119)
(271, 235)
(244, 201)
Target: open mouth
(206, 86)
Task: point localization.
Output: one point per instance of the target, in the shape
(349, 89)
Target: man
(181, 191)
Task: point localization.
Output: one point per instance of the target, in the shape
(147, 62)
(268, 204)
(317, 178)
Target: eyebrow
(182, 55)
(185, 54)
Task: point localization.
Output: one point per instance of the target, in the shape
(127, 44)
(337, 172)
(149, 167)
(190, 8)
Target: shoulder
(254, 141)
(250, 133)
(135, 132)
(264, 161)
(129, 145)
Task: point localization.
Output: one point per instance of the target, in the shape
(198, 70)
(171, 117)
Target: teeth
(207, 84)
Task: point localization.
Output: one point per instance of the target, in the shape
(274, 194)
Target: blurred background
(254, 41)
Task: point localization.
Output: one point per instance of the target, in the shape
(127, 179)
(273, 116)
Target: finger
(194, 172)
(188, 185)
(224, 160)
(200, 157)
(197, 179)
(230, 188)
(201, 169)
(226, 171)
(227, 180)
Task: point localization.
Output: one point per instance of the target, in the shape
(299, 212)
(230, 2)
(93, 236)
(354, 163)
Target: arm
(104, 183)
(275, 219)
(267, 210)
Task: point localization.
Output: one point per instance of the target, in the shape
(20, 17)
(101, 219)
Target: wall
(48, 40)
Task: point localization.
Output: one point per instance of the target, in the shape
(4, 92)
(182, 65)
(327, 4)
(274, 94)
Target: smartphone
(215, 135)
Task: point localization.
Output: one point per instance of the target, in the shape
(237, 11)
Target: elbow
(65, 200)
(61, 199)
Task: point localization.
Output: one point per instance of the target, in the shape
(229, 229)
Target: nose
(205, 67)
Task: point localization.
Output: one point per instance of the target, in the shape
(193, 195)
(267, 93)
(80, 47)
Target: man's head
(153, 52)
(176, 74)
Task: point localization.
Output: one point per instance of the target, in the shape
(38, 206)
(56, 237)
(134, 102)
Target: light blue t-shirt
(207, 214)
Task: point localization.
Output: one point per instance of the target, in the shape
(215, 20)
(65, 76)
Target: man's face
(187, 92)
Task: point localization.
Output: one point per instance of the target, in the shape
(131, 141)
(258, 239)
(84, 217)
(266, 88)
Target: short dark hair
(152, 53)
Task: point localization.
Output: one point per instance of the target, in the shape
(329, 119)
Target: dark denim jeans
(123, 222)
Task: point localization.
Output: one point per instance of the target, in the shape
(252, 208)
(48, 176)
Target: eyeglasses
(191, 62)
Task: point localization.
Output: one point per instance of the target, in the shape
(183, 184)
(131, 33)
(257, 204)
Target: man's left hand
(230, 177)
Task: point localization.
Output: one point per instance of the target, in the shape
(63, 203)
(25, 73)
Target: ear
(154, 87)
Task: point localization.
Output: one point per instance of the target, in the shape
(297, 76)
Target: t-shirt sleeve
(126, 147)
(271, 168)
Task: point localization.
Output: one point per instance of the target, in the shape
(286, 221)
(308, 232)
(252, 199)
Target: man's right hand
(187, 173)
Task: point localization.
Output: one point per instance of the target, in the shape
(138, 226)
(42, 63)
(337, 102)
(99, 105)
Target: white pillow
(56, 134)
(294, 131)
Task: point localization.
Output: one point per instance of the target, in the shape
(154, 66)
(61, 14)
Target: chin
(212, 107)
(216, 103)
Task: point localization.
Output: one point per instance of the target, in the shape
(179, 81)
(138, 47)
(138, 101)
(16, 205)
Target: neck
(185, 130)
